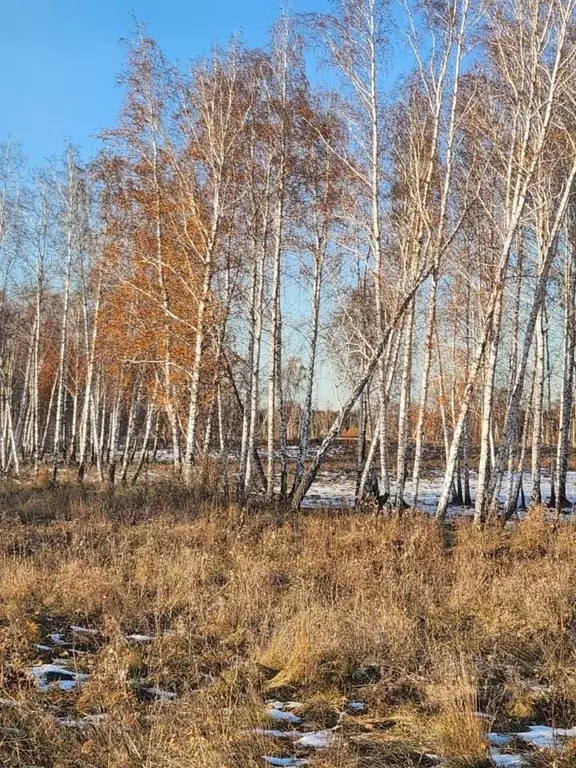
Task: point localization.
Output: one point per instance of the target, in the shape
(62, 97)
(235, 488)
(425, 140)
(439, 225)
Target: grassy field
(443, 634)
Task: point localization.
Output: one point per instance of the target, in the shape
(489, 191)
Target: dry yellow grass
(427, 626)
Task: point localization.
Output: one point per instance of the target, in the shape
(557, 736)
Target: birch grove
(358, 240)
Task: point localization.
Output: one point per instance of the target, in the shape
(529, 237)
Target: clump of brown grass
(456, 726)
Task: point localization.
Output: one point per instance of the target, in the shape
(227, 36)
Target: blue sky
(59, 58)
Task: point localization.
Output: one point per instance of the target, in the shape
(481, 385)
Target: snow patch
(317, 740)
(499, 739)
(537, 736)
(544, 737)
(57, 638)
(281, 716)
(335, 489)
(140, 639)
(50, 676)
(502, 760)
(83, 630)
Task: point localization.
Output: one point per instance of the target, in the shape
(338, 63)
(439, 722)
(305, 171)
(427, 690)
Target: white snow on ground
(140, 639)
(317, 740)
(83, 630)
(57, 638)
(280, 716)
(499, 739)
(501, 760)
(501, 746)
(335, 489)
(50, 676)
(166, 455)
(537, 736)
(543, 737)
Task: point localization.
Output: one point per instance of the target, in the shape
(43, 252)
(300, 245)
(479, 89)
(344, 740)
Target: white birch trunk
(404, 410)
(256, 352)
(535, 494)
(150, 411)
(486, 441)
(275, 340)
(88, 410)
(567, 393)
(428, 343)
(319, 254)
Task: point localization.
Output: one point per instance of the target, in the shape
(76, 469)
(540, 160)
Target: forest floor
(335, 484)
(148, 627)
